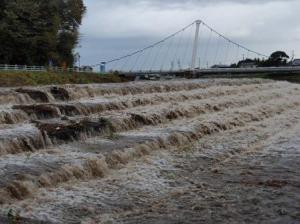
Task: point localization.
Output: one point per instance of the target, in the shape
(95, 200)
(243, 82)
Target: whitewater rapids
(181, 151)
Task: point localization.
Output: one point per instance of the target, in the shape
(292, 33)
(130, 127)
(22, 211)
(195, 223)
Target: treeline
(276, 59)
(39, 32)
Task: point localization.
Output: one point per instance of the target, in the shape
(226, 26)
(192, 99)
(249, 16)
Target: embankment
(55, 78)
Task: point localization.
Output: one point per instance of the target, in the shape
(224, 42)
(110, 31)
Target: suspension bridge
(195, 49)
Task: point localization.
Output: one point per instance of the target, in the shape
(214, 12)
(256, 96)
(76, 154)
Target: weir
(79, 132)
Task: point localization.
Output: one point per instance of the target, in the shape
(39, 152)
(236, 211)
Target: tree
(277, 58)
(34, 32)
(71, 12)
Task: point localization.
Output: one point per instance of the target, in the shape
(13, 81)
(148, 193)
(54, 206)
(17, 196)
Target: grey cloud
(114, 27)
(171, 2)
(178, 3)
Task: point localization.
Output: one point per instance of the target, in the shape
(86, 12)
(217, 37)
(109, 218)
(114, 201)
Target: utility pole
(195, 45)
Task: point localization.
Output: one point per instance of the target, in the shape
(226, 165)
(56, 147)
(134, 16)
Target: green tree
(71, 12)
(37, 31)
(277, 58)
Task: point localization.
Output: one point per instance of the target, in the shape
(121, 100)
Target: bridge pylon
(195, 45)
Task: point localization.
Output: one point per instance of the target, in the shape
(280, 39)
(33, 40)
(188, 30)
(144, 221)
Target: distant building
(220, 66)
(102, 67)
(86, 68)
(296, 62)
(247, 64)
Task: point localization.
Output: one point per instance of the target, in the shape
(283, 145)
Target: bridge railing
(252, 70)
(25, 68)
(286, 69)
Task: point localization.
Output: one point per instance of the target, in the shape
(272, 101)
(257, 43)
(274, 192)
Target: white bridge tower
(195, 45)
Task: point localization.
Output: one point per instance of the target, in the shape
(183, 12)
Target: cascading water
(56, 134)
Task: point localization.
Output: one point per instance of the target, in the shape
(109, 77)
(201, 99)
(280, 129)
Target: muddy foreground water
(212, 151)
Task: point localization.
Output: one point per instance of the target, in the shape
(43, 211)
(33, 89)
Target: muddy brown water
(182, 151)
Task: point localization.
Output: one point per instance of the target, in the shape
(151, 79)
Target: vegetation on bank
(35, 32)
(294, 78)
(10, 79)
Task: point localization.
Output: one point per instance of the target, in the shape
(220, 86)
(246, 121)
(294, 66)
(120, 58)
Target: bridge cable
(158, 54)
(172, 52)
(237, 54)
(221, 35)
(178, 46)
(167, 52)
(136, 61)
(126, 61)
(207, 46)
(147, 55)
(188, 45)
(146, 48)
(227, 52)
(217, 50)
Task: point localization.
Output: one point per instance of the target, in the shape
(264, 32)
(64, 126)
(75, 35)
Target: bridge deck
(261, 70)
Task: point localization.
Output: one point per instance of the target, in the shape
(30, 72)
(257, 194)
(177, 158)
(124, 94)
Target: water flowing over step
(90, 165)
(149, 115)
(55, 134)
(28, 95)
(12, 116)
(60, 131)
(17, 139)
(80, 128)
(26, 105)
(98, 105)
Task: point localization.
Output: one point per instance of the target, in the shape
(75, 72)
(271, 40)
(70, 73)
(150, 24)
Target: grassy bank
(295, 78)
(49, 78)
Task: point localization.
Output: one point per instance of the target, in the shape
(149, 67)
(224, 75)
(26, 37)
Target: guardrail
(287, 69)
(22, 68)
(252, 70)
(26, 68)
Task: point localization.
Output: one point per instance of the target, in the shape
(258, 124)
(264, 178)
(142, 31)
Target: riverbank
(15, 79)
(12, 79)
(292, 77)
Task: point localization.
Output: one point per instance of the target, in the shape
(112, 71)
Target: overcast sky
(115, 27)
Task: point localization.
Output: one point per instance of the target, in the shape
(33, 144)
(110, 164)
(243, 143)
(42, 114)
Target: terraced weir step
(55, 135)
